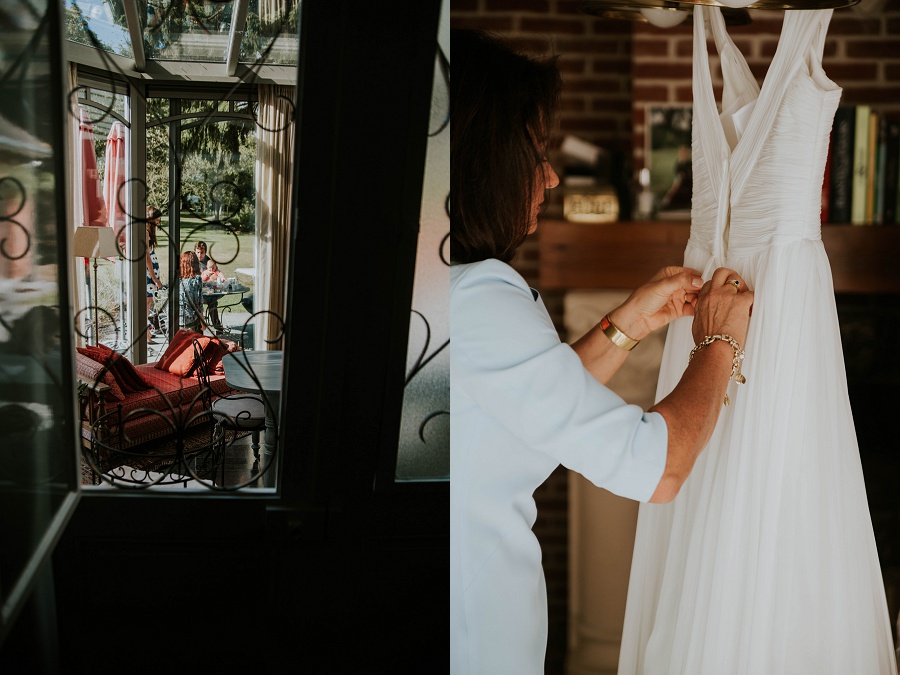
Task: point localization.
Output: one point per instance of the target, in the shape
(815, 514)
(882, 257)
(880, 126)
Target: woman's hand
(723, 306)
(670, 294)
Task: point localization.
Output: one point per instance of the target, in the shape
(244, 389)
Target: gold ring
(736, 282)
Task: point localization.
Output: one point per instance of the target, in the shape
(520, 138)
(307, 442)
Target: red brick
(649, 48)
(855, 27)
(884, 49)
(638, 112)
(683, 94)
(684, 48)
(542, 6)
(870, 95)
(499, 24)
(610, 106)
(595, 85)
(569, 8)
(463, 6)
(745, 47)
(892, 71)
(569, 104)
(767, 48)
(555, 26)
(592, 45)
(650, 92)
(612, 27)
(572, 66)
(851, 72)
(660, 70)
(531, 45)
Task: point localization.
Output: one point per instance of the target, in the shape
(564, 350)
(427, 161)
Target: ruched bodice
(765, 563)
(767, 189)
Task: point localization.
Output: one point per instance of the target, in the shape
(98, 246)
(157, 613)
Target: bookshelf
(864, 259)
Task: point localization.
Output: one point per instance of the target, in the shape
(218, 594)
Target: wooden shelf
(624, 255)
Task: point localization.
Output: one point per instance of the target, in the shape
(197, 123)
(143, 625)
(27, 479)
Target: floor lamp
(95, 242)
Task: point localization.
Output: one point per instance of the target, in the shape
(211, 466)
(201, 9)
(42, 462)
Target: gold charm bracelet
(736, 374)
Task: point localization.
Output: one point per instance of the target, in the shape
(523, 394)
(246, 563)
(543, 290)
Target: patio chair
(235, 412)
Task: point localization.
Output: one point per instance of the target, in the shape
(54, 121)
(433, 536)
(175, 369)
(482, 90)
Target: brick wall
(862, 55)
(611, 70)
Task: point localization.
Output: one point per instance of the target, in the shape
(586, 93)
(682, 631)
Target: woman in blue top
(522, 402)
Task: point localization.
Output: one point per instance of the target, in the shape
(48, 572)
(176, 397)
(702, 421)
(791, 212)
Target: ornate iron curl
(11, 218)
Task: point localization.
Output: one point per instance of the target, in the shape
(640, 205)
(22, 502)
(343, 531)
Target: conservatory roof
(211, 40)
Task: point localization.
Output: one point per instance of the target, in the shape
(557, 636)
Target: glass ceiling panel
(196, 30)
(99, 24)
(189, 30)
(270, 35)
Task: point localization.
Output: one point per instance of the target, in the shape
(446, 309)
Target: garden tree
(216, 162)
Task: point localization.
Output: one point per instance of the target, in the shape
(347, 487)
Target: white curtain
(274, 177)
(77, 285)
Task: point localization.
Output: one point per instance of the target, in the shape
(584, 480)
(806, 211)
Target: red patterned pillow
(128, 379)
(90, 370)
(179, 355)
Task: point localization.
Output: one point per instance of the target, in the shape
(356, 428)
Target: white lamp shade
(665, 18)
(95, 242)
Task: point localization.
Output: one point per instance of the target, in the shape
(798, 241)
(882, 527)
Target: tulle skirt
(765, 563)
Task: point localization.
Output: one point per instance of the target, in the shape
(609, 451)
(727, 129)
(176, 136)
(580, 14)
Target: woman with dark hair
(153, 281)
(190, 300)
(523, 402)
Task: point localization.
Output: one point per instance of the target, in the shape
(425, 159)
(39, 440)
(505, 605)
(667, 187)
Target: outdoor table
(212, 297)
(259, 372)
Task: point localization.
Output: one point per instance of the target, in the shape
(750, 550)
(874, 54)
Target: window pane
(99, 24)
(424, 452)
(187, 31)
(270, 35)
(37, 395)
(102, 161)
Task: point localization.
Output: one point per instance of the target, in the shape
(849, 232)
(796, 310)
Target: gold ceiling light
(661, 13)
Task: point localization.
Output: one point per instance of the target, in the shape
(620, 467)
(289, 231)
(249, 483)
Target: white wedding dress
(765, 563)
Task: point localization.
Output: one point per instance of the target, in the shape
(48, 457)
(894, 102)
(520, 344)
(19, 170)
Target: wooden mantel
(864, 259)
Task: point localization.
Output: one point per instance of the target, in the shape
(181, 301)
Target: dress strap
(801, 28)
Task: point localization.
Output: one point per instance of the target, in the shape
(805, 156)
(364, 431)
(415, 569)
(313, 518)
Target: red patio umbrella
(114, 179)
(93, 211)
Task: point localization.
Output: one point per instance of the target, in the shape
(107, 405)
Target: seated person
(190, 305)
(212, 272)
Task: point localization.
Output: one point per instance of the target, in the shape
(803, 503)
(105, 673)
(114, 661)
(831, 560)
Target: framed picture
(668, 154)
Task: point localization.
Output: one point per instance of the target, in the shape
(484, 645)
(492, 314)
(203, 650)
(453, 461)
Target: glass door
(38, 393)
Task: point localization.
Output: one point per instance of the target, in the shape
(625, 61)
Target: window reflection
(424, 452)
(37, 397)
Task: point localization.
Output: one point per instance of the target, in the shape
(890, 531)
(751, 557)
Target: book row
(862, 172)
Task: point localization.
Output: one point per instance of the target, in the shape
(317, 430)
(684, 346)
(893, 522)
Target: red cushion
(179, 355)
(128, 379)
(213, 354)
(90, 370)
